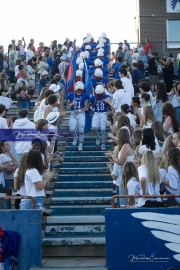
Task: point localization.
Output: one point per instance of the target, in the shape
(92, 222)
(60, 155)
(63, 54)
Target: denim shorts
(39, 201)
(8, 184)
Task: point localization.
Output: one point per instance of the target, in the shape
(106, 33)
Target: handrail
(140, 196)
(19, 197)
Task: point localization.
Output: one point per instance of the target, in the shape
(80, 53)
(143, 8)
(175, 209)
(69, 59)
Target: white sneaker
(80, 148)
(98, 140)
(75, 140)
(103, 148)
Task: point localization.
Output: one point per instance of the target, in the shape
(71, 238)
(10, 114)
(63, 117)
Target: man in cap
(127, 44)
(43, 82)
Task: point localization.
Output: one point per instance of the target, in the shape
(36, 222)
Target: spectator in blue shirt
(43, 82)
(137, 75)
(116, 68)
(126, 43)
(50, 62)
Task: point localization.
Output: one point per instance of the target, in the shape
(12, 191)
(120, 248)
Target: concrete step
(80, 184)
(83, 219)
(79, 200)
(87, 148)
(74, 251)
(79, 210)
(73, 241)
(85, 177)
(84, 164)
(75, 230)
(77, 263)
(84, 170)
(82, 192)
(85, 158)
(84, 153)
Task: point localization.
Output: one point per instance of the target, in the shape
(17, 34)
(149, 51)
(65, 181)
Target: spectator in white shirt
(120, 96)
(126, 83)
(148, 143)
(29, 53)
(172, 181)
(23, 124)
(130, 182)
(13, 53)
(3, 121)
(35, 183)
(23, 78)
(125, 110)
(150, 180)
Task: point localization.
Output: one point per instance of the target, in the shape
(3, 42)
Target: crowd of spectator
(142, 101)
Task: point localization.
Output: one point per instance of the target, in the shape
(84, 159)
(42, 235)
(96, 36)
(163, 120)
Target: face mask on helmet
(79, 91)
(100, 95)
(98, 78)
(78, 78)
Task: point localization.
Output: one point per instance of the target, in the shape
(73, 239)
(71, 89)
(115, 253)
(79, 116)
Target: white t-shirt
(29, 54)
(128, 87)
(15, 54)
(132, 119)
(150, 188)
(121, 97)
(173, 177)
(174, 100)
(115, 172)
(178, 56)
(31, 177)
(163, 173)
(22, 190)
(133, 187)
(148, 125)
(41, 109)
(3, 123)
(143, 148)
(16, 70)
